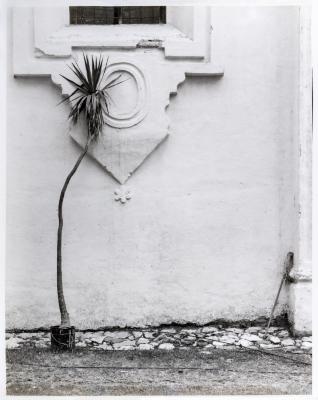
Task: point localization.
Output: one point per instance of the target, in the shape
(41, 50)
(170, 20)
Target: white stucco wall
(212, 215)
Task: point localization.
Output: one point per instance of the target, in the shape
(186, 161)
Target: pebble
(251, 338)
(161, 337)
(146, 346)
(228, 339)
(272, 329)
(283, 334)
(149, 335)
(143, 341)
(269, 346)
(166, 346)
(218, 344)
(231, 334)
(245, 343)
(118, 334)
(306, 345)
(288, 342)
(26, 335)
(288, 348)
(253, 329)
(168, 330)
(192, 330)
(126, 348)
(274, 339)
(235, 330)
(307, 339)
(98, 339)
(209, 329)
(12, 343)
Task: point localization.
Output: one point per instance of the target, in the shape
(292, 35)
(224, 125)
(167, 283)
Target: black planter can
(62, 338)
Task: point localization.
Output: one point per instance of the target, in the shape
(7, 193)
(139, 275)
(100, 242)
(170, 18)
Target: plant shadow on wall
(91, 101)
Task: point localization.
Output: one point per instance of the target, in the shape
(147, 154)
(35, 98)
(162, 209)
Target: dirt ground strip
(219, 372)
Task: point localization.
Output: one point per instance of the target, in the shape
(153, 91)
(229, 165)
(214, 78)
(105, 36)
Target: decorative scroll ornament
(137, 122)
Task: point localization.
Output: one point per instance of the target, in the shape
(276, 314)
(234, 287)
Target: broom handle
(287, 267)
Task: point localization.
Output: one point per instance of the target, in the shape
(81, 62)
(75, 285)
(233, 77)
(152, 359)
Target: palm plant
(90, 100)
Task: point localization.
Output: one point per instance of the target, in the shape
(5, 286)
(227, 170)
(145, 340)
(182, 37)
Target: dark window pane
(92, 15)
(116, 15)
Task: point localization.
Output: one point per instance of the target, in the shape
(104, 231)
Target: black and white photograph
(157, 160)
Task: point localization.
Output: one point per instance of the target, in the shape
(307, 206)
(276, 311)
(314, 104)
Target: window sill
(111, 36)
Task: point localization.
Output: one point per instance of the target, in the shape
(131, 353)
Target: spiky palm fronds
(90, 98)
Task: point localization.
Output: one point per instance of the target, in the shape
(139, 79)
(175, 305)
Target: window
(117, 15)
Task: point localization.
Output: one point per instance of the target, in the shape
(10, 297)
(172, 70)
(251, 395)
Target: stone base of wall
(205, 338)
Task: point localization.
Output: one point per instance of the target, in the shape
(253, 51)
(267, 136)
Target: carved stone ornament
(122, 195)
(45, 43)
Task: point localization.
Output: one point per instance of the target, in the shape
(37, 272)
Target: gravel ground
(33, 371)
(207, 338)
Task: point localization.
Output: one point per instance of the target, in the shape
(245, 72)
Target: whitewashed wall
(212, 215)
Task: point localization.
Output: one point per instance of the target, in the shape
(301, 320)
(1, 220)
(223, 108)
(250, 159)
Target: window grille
(117, 15)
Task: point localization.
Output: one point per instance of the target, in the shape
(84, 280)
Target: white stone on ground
(208, 329)
(146, 346)
(245, 343)
(98, 339)
(27, 335)
(124, 343)
(168, 330)
(306, 345)
(189, 330)
(166, 346)
(228, 339)
(207, 337)
(149, 335)
(127, 348)
(142, 340)
(12, 343)
(251, 338)
(273, 329)
(288, 342)
(218, 344)
(117, 335)
(274, 339)
(269, 346)
(283, 334)
(235, 330)
(253, 329)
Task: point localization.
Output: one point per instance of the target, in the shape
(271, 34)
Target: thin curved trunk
(65, 319)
